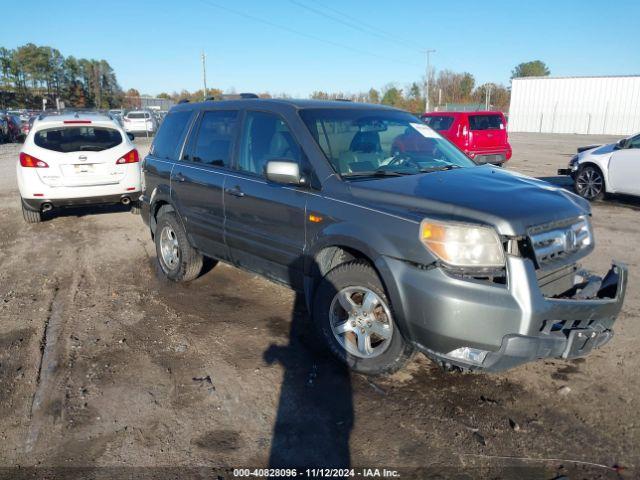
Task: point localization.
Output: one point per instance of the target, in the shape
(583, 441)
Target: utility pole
(204, 76)
(426, 96)
(488, 97)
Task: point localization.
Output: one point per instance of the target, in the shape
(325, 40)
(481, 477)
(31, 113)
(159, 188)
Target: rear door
(265, 221)
(81, 155)
(198, 180)
(624, 168)
(487, 132)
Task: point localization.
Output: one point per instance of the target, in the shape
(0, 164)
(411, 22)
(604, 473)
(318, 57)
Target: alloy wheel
(361, 322)
(169, 247)
(589, 183)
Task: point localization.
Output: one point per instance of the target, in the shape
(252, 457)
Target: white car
(611, 168)
(76, 159)
(140, 121)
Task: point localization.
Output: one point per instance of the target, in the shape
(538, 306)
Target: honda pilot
(397, 240)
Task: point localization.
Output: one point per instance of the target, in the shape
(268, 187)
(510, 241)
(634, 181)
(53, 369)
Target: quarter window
(266, 137)
(170, 134)
(215, 137)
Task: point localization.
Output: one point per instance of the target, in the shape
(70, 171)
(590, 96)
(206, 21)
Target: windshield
(78, 139)
(361, 143)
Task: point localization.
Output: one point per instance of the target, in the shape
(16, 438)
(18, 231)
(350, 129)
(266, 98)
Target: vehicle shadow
(84, 210)
(315, 410)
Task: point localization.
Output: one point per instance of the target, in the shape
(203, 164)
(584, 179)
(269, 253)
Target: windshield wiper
(377, 173)
(439, 169)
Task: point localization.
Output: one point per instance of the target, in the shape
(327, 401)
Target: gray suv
(398, 241)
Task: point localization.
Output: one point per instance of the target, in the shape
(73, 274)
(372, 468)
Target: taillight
(130, 157)
(31, 162)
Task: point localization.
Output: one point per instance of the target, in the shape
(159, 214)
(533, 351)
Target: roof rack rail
(232, 96)
(184, 100)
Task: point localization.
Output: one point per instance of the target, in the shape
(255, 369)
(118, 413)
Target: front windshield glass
(367, 142)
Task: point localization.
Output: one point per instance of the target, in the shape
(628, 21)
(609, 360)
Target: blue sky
(155, 46)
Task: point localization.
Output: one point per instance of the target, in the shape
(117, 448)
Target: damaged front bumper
(571, 325)
(481, 327)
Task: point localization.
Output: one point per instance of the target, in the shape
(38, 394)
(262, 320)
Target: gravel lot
(103, 363)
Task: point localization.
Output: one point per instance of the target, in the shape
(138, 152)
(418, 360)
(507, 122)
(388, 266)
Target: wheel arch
(334, 252)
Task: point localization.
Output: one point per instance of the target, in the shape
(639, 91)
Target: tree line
(31, 73)
(446, 89)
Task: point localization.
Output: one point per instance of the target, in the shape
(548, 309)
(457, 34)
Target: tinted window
(170, 134)
(138, 115)
(266, 137)
(439, 123)
(634, 142)
(215, 135)
(485, 122)
(78, 139)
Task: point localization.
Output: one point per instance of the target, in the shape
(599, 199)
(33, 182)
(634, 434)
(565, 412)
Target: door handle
(235, 191)
(180, 177)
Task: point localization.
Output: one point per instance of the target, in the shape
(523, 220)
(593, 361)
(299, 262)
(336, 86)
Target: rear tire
(345, 333)
(178, 260)
(29, 215)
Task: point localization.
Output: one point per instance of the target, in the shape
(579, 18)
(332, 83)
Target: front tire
(589, 183)
(354, 318)
(30, 216)
(178, 260)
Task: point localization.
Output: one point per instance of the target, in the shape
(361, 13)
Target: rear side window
(138, 115)
(78, 139)
(168, 138)
(215, 135)
(440, 122)
(485, 122)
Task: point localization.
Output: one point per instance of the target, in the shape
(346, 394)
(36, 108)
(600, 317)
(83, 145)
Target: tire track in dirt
(46, 403)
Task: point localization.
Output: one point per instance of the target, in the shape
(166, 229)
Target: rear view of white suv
(76, 159)
(140, 121)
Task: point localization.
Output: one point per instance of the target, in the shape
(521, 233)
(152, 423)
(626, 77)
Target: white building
(588, 105)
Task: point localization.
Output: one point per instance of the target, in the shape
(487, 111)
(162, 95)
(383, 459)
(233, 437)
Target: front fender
(378, 245)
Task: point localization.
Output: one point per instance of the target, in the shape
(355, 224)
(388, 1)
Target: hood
(509, 201)
(601, 150)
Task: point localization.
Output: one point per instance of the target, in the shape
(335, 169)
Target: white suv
(140, 121)
(76, 159)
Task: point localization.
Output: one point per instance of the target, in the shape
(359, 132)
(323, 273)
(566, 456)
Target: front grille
(561, 242)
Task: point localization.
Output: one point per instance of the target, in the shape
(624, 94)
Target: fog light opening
(468, 354)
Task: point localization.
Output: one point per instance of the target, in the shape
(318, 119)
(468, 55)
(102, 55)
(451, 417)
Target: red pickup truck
(481, 135)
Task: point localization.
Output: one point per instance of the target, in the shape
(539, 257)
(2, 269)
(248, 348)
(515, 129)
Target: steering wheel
(401, 159)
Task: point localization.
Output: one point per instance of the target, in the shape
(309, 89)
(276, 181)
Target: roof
(577, 77)
(61, 118)
(295, 103)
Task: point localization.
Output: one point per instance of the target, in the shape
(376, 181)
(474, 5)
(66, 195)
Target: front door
(624, 168)
(265, 221)
(198, 181)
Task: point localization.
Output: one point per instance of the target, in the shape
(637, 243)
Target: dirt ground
(106, 365)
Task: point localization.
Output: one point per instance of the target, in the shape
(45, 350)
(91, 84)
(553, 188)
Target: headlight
(574, 160)
(462, 245)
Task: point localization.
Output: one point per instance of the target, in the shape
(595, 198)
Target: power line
(303, 34)
(353, 25)
(390, 36)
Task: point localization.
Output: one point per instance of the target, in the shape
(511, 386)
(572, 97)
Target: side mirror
(622, 143)
(286, 172)
(131, 136)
